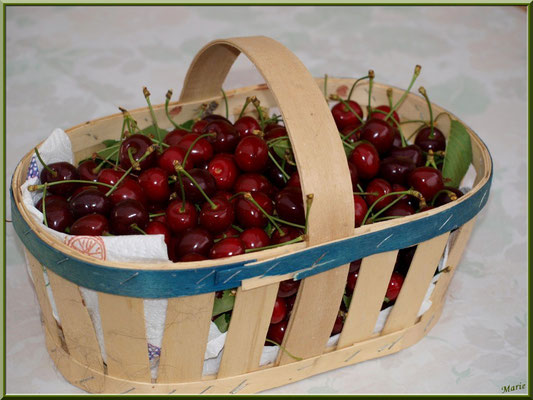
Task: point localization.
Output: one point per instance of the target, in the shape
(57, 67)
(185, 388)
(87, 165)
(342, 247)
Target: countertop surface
(67, 65)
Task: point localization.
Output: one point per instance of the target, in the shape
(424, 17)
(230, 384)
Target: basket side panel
(124, 337)
(247, 330)
(185, 338)
(370, 289)
(425, 261)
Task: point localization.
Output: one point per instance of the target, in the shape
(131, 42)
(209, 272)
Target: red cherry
(88, 202)
(271, 126)
(246, 126)
(63, 171)
(352, 277)
(350, 130)
(223, 168)
(201, 152)
(169, 156)
(378, 132)
(86, 171)
(277, 331)
(230, 232)
(248, 215)
(395, 284)
(199, 126)
(109, 176)
(386, 110)
(338, 325)
(204, 179)
(380, 187)
(279, 312)
(360, 209)
(275, 132)
(294, 180)
(426, 141)
(215, 117)
(179, 220)
(218, 219)
(396, 169)
(138, 144)
(50, 198)
(225, 137)
(290, 206)
(252, 182)
(354, 176)
(343, 116)
(192, 257)
(154, 182)
(254, 238)
(444, 197)
(125, 214)
(413, 152)
(174, 136)
(400, 209)
(58, 216)
(158, 228)
(288, 288)
(228, 247)
(251, 154)
(128, 189)
(426, 180)
(90, 225)
(289, 233)
(290, 303)
(365, 157)
(195, 240)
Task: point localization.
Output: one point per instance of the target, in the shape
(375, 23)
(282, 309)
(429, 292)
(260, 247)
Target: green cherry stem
(354, 85)
(423, 92)
(34, 188)
(360, 188)
(246, 103)
(286, 176)
(130, 155)
(182, 190)
(404, 95)
(44, 204)
(370, 85)
(300, 238)
(257, 104)
(237, 228)
(191, 147)
(168, 96)
(347, 105)
(180, 170)
(248, 196)
(54, 173)
(157, 215)
(138, 229)
(277, 219)
(152, 113)
(402, 137)
(451, 194)
(225, 102)
(365, 193)
(406, 192)
(105, 160)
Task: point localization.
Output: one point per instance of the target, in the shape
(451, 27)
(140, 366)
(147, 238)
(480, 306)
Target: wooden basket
(322, 262)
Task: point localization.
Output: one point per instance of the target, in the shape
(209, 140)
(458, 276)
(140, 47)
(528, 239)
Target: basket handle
(319, 154)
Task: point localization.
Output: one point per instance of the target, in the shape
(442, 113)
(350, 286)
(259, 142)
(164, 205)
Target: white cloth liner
(151, 248)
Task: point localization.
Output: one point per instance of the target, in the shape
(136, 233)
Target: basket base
(265, 378)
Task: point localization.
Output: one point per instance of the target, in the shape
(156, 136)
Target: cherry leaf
(458, 155)
(224, 303)
(222, 322)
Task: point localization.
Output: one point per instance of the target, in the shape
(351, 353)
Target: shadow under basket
(321, 263)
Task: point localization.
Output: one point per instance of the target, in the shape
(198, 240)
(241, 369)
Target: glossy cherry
(288, 287)
(230, 232)
(352, 133)
(400, 209)
(109, 176)
(201, 152)
(58, 216)
(246, 126)
(380, 187)
(275, 132)
(365, 157)
(250, 216)
(276, 332)
(179, 220)
(353, 274)
(280, 311)
(193, 257)
(125, 214)
(343, 116)
(90, 225)
(139, 145)
(254, 238)
(426, 141)
(204, 179)
(426, 180)
(154, 182)
(62, 171)
(228, 247)
(395, 284)
(169, 156)
(339, 324)
(378, 132)
(360, 208)
(251, 154)
(225, 137)
(217, 219)
(444, 197)
(289, 233)
(386, 110)
(195, 240)
(173, 137)
(90, 201)
(223, 168)
(289, 205)
(199, 126)
(50, 199)
(252, 182)
(354, 175)
(396, 169)
(128, 189)
(412, 151)
(87, 170)
(158, 228)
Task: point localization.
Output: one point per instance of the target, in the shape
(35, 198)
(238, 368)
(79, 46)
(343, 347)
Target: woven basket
(321, 262)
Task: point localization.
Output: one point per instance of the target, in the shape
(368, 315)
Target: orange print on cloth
(90, 245)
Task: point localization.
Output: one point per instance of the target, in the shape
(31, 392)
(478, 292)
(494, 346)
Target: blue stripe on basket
(185, 282)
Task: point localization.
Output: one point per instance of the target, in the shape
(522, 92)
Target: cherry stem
(404, 142)
(360, 188)
(389, 96)
(130, 155)
(189, 150)
(414, 121)
(137, 228)
(349, 108)
(298, 239)
(417, 130)
(431, 159)
(44, 204)
(182, 190)
(167, 112)
(288, 223)
(451, 194)
(152, 113)
(248, 196)
(237, 228)
(424, 93)
(441, 114)
(354, 85)
(180, 170)
(225, 102)
(285, 175)
(387, 218)
(370, 85)
(257, 104)
(308, 203)
(134, 165)
(33, 188)
(53, 172)
(365, 193)
(105, 160)
(284, 349)
(410, 192)
(246, 103)
(326, 87)
(404, 95)
(157, 215)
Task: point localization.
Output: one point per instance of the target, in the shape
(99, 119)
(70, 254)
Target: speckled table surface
(66, 65)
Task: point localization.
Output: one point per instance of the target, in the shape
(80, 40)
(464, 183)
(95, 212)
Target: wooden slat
(185, 338)
(78, 329)
(425, 261)
(124, 337)
(42, 295)
(314, 313)
(372, 282)
(247, 330)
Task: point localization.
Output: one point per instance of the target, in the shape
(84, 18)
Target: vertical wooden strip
(425, 261)
(315, 310)
(124, 337)
(185, 338)
(78, 329)
(456, 251)
(247, 330)
(42, 295)
(372, 282)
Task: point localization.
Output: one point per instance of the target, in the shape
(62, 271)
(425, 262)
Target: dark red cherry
(125, 214)
(226, 136)
(251, 154)
(86, 170)
(218, 219)
(204, 179)
(400, 209)
(173, 137)
(246, 126)
(352, 133)
(344, 116)
(179, 220)
(199, 126)
(280, 311)
(275, 175)
(294, 180)
(290, 303)
(223, 168)
(426, 180)
(290, 206)
(397, 141)
(271, 126)
(403, 261)
(58, 216)
(158, 228)
(252, 182)
(195, 240)
(109, 176)
(169, 156)
(228, 247)
(88, 202)
(360, 209)
(379, 133)
(396, 169)
(386, 110)
(128, 189)
(352, 279)
(63, 171)
(274, 133)
(248, 215)
(354, 176)
(365, 157)
(338, 325)
(230, 232)
(51, 198)
(288, 287)
(154, 182)
(254, 238)
(395, 284)
(201, 152)
(355, 265)
(380, 187)
(413, 152)
(289, 233)
(407, 199)
(215, 117)
(426, 141)
(193, 257)
(90, 225)
(276, 332)
(445, 197)
(138, 144)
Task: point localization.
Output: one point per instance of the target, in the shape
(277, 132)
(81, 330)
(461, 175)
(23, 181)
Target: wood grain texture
(371, 286)
(124, 337)
(247, 331)
(185, 338)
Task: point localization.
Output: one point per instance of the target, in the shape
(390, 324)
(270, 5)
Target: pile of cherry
(217, 189)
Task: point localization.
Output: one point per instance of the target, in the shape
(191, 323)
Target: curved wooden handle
(320, 157)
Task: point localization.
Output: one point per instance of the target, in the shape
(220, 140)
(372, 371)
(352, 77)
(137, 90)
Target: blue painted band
(145, 283)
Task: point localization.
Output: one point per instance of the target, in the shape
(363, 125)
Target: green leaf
(281, 146)
(222, 322)
(187, 125)
(110, 142)
(224, 303)
(458, 155)
(150, 130)
(347, 300)
(111, 150)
